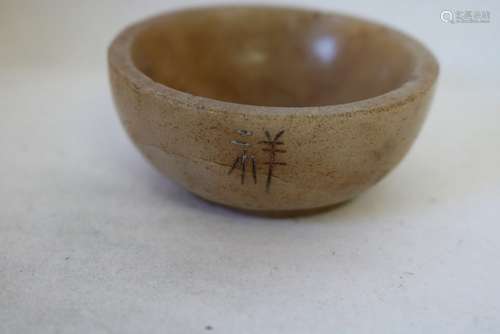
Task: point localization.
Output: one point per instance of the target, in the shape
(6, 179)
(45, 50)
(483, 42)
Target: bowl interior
(272, 57)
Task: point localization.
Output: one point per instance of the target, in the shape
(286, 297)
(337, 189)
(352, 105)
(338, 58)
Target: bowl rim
(421, 80)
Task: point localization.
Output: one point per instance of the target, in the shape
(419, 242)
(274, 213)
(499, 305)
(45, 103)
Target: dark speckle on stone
(209, 328)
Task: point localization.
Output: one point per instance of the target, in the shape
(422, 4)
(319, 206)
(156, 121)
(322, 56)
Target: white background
(93, 240)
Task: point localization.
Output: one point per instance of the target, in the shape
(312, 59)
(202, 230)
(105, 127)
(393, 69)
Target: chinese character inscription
(245, 161)
(244, 158)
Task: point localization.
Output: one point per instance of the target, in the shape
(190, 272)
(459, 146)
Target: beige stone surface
(347, 96)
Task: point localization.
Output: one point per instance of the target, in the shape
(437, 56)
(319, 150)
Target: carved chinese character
(244, 158)
(272, 150)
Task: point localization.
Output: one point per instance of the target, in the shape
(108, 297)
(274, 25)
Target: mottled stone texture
(350, 96)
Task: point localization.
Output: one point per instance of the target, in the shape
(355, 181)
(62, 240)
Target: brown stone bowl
(275, 110)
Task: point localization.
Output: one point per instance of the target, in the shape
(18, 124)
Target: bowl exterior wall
(268, 161)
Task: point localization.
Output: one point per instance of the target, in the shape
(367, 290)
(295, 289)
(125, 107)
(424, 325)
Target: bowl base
(277, 214)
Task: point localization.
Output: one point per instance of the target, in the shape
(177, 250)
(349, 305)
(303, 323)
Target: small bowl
(275, 110)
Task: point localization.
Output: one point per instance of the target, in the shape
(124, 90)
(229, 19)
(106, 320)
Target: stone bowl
(272, 110)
